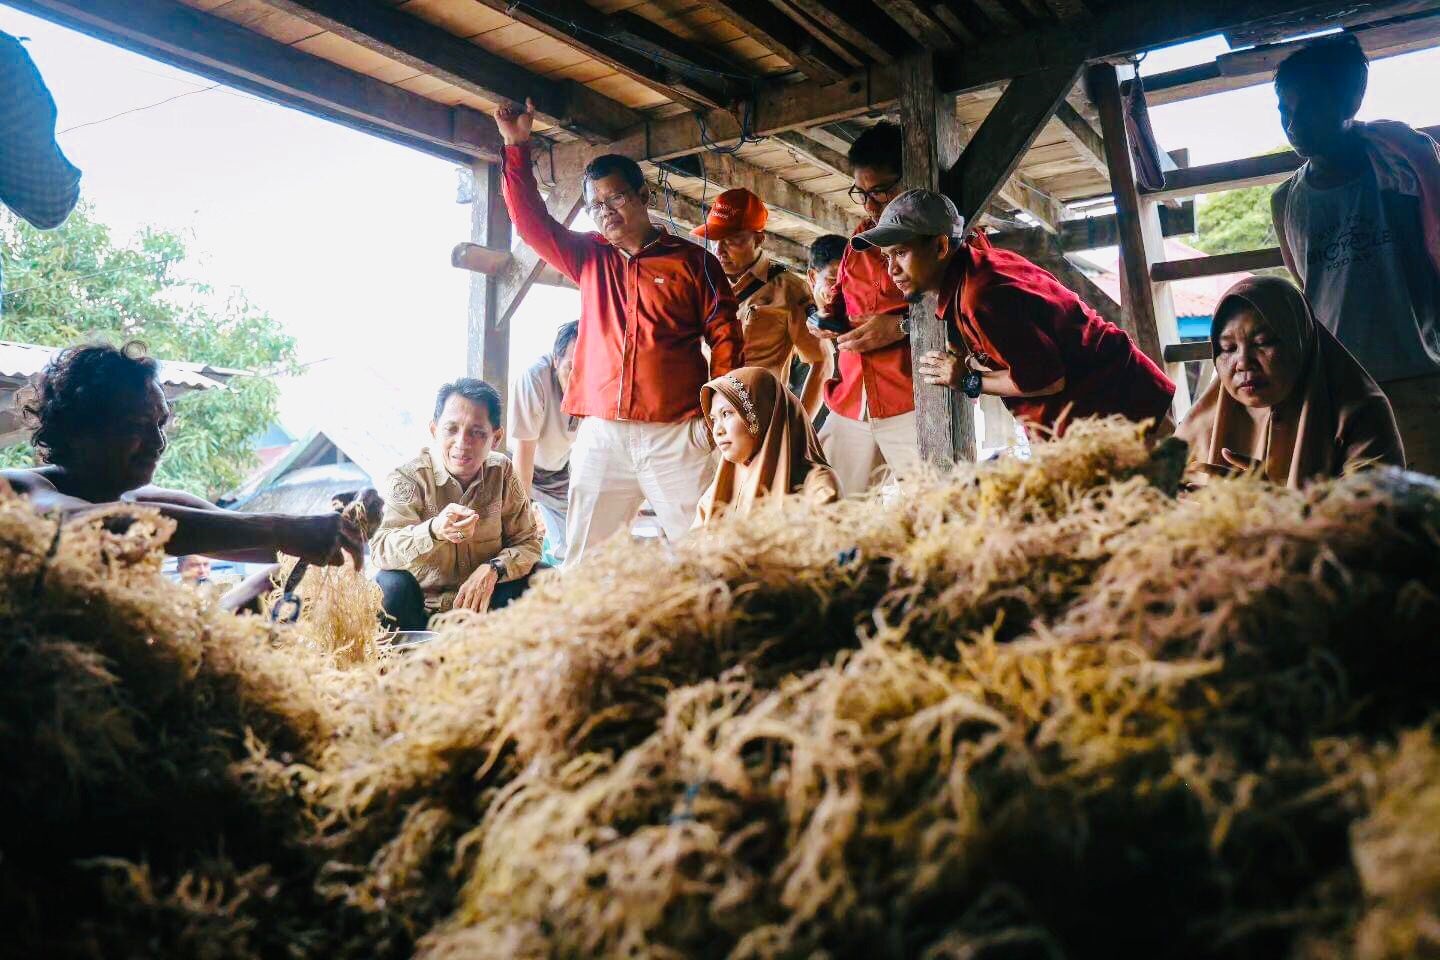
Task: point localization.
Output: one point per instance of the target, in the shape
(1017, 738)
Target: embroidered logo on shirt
(404, 492)
(659, 279)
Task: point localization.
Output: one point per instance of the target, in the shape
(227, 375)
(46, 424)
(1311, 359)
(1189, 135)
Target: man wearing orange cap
(773, 302)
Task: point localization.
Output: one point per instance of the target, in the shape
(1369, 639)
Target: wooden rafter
(205, 44)
(606, 38)
(1067, 9)
(435, 51)
(728, 172)
(1090, 233)
(816, 154)
(1079, 134)
(1122, 27)
(488, 340)
(992, 155)
(1247, 68)
(998, 14)
(944, 421)
(917, 19)
(1322, 17)
(1020, 192)
(861, 26)
(955, 20)
(783, 37)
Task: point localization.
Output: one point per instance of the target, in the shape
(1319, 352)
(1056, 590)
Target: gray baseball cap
(915, 213)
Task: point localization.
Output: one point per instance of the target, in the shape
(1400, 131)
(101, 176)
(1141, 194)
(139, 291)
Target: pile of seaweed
(1037, 707)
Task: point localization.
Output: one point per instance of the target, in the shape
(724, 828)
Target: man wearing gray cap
(1026, 338)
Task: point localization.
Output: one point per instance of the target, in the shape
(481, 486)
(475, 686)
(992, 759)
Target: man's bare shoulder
(27, 482)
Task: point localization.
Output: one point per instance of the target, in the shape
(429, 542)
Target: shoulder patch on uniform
(404, 491)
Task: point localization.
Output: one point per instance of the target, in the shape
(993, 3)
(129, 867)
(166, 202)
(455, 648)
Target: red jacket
(642, 318)
(883, 375)
(1029, 323)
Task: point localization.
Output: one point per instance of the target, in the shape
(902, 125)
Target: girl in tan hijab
(1287, 400)
(766, 443)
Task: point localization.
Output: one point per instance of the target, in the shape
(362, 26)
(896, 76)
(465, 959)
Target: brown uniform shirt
(417, 491)
(773, 319)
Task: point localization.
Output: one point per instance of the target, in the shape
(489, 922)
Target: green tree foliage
(1235, 221)
(76, 283)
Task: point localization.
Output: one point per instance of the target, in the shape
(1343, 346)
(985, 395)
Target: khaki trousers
(1416, 402)
(859, 451)
(616, 465)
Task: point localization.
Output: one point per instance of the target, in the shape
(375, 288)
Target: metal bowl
(408, 639)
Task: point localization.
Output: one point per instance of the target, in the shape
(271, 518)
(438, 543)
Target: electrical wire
(126, 113)
(98, 273)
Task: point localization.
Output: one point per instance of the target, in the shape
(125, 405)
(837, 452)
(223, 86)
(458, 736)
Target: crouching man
(458, 531)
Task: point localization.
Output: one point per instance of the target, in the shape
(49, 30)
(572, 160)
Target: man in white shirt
(544, 433)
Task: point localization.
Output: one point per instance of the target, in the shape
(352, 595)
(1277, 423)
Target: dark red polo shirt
(642, 318)
(883, 376)
(1028, 322)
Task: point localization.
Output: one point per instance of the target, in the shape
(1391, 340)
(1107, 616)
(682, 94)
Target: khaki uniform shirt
(773, 319)
(417, 491)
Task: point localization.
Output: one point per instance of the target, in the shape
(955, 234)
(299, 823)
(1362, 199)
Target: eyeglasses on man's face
(613, 202)
(877, 195)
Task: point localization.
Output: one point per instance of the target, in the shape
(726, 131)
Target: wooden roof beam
(783, 37)
(813, 153)
(1090, 233)
(917, 18)
(1079, 134)
(1256, 65)
(1123, 27)
(611, 39)
(861, 26)
(990, 158)
(1024, 195)
(727, 172)
(226, 52)
(1279, 26)
(435, 51)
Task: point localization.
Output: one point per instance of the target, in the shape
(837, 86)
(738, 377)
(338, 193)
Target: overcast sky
(345, 238)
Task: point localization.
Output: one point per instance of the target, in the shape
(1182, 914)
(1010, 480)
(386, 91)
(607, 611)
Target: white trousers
(859, 451)
(616, 465)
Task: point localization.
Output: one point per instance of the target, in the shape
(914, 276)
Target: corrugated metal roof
(25, 360)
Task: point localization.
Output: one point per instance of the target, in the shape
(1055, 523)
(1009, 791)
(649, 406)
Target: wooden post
(487, 352)
(1148, 309)
(944, 420)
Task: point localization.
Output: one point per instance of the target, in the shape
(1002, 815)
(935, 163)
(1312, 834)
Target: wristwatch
(971, 385)
(498, 566)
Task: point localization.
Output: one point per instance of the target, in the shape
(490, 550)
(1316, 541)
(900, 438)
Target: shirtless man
(99, 417)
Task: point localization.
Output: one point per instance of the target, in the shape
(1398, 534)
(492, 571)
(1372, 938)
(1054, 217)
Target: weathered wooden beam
(479, 259)
(1235, 174)
(916, 19)
(1122, 27)
(831, 161)
(1244, 261)
(1066, 10)
(1254, 66)
(687, 214)
(861, 26)
(1277, 27)
(963, 30)
(729, 173)
(1006, 133)
(228, 53)
(944, 420)
(487, 353)
(437, 52)
(1079, 134)
(1024, 195)
(602, 37)
(783, 37)
(1090, 233)
(1149, 312)
(1189, 351)
(566, 196)
(775, 110)
(1044, 249)
(829, 137)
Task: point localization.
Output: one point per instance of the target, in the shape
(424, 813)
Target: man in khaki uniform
(459, 531)
(773, 301)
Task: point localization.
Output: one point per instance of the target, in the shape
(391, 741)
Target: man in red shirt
(647, 302)
(872, 400)
(1027, 338)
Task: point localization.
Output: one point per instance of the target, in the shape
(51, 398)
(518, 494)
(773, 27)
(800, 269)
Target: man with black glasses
(648, 302)
(872, 400)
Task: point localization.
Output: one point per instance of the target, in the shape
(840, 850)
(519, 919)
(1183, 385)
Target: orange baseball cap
(733, 211)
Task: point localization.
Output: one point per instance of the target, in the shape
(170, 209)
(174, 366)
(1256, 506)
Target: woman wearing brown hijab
(767, 446)
(1287, 400)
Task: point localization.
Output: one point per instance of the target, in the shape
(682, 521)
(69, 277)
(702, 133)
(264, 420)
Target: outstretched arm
(559, 246)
